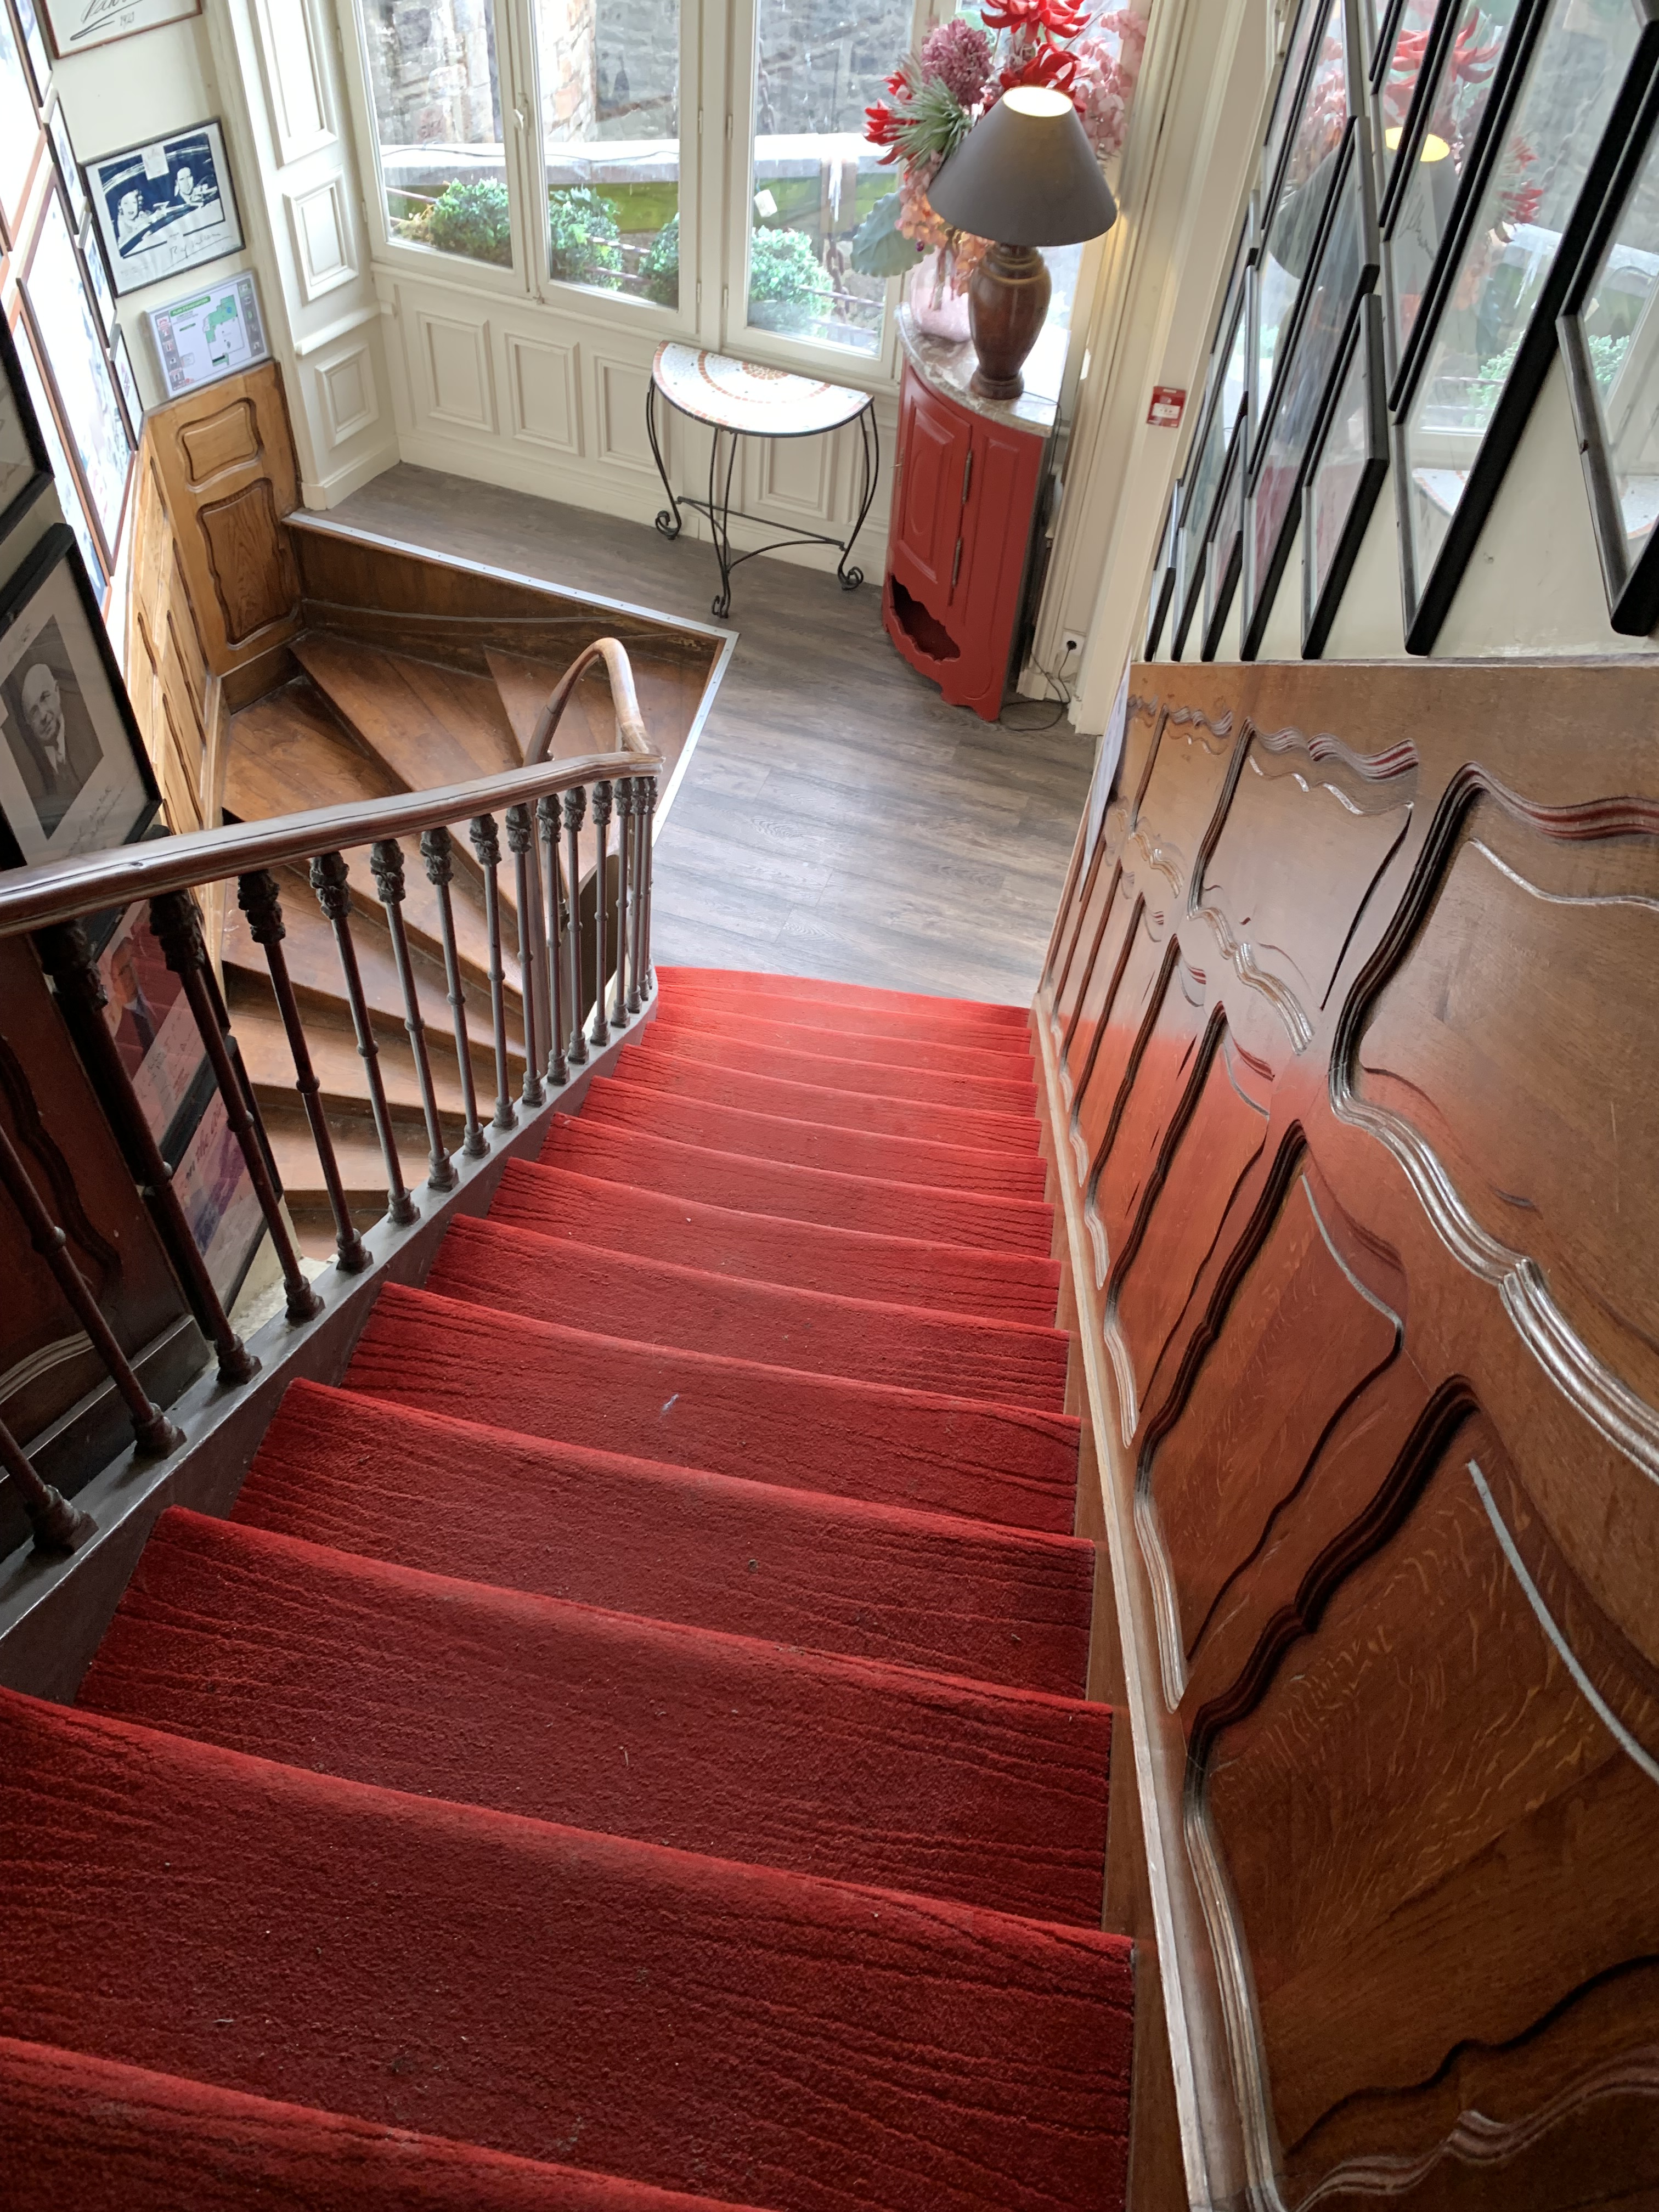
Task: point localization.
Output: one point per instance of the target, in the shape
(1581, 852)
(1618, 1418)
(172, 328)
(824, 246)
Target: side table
(741, 399)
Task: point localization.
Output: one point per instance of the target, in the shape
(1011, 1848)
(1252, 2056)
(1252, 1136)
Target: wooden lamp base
(1008, 306)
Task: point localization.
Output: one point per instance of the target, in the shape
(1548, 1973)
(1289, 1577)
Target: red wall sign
(1165, 411)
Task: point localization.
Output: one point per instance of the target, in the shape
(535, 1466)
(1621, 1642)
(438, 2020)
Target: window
(434, 86)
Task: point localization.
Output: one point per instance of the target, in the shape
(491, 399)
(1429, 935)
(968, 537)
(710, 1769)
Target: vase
(935, 309)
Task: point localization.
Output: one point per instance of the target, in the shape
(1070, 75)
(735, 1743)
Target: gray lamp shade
(1025, 175)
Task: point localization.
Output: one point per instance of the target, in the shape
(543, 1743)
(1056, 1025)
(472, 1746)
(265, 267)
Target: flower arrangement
(939, 94)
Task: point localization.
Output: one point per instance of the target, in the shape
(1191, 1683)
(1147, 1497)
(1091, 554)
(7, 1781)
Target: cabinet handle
(967, 475)
(956, 565)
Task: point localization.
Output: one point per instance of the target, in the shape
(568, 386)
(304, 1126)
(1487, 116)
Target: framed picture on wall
(78, 25)
(216, 332)
(1350, 460)
(72, 347)
(1609, 337)
(1164, 580)
(98, 283)
(1223, 556)
(25, 462)
(64, 153)
(149, 1018)
(71, 497)
(74, 777)
(165, 207)
(127, 384)
(36, 45)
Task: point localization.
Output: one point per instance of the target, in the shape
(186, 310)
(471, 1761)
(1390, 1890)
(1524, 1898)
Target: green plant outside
(470, 216)
(581, 242)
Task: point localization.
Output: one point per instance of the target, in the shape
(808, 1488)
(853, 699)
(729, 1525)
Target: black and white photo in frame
(165, 207)
(25, 463)
(77, 25)
(73, 773)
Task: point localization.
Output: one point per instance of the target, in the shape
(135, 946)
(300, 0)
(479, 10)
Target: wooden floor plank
(837, 819)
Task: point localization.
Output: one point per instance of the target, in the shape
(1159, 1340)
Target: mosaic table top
(741, 395)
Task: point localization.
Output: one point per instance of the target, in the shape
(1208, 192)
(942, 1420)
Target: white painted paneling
(321, 226)
(619, 390)
(453, 382)
(345, 383)
(296, 92)
(541, 379)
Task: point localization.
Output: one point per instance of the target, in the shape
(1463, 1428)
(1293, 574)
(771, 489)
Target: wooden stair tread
(339, 1066)
(423, 723)
(523, 683)
(286, 752)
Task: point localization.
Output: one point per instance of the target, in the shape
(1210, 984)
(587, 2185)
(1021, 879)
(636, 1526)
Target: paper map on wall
(214, 333)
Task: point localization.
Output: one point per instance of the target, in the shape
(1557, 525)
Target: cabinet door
(996, 529)
(933, 440)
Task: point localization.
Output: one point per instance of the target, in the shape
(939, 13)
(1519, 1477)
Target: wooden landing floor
(838, 819)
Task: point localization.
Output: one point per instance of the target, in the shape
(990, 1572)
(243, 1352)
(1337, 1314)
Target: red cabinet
(964, 492)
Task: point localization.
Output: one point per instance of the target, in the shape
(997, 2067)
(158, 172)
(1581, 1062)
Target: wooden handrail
(65, 890)
(630, 723)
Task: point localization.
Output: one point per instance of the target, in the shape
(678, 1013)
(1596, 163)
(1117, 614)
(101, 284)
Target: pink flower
(961, 56)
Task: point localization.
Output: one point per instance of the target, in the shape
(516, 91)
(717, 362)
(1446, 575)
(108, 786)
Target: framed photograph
(1223, 556)
(127, 384)
(217, 331)
(1609, 338)
(78, 25)
(71, 497)
(1345, 267)
(91, 254)
(1310, 14)
(25, 462)
(64, 153)
(17, 121)
(35, 46)
(1553, 145)
(1294, 200)
(166, 207)
(72, 346)
(1350, 460)
(219, 1202)
(149, 1018)
(1163, 580)
(1408, 43)
(74, 777)
(1224, 396)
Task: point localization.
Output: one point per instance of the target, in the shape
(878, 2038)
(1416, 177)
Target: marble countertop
(947, 366)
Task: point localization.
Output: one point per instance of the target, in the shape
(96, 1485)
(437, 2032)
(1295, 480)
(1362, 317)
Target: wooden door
(995, 527)
(933, 445)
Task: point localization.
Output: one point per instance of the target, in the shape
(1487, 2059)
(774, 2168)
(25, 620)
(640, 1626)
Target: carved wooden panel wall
(224, 470)
(1352, 1020)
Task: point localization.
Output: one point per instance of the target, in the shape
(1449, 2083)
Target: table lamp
(1024, 176)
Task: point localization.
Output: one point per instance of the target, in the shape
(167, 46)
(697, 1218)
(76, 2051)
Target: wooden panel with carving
(1366, 1261)
(224, 462)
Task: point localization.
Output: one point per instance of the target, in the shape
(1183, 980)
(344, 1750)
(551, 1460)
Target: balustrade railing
(560, 957)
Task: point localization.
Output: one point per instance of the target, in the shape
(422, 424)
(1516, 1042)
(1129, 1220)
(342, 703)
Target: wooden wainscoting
(1349, 1030)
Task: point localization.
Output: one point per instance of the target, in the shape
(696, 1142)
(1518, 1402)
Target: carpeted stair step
(762, 1134)
(978, 1018)
(1000, 1463)
(492, 1263)
(100, 2136)
(746, 1183)
(586, 1209)
(649, 1067)
(747, 1022)
(744, 1750)
(678, 1544)
(872, 1079)
(765, 2037)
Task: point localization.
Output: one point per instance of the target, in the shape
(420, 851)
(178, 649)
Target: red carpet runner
(627, 1750)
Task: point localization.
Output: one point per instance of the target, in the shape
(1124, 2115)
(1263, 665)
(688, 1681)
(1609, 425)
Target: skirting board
(54, 1612)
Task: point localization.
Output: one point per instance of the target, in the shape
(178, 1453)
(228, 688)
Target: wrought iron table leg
(719, 519)
(669, 523)
(869, 437)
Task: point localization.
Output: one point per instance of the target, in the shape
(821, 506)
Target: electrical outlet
(1071, 647)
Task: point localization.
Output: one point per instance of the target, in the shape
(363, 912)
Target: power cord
(1035, 729)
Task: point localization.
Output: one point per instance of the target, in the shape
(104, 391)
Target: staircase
(629, 1737)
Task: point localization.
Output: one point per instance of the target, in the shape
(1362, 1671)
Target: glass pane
(1621, 335)
(1206, 471)
(1310, 174)
(1457, 102)
(1336, 474)
(69, 494)
(813, 175)
(75, 353)
(610, 126)
(437, 99)
(1308, 377)
(1405, 67)
(18, 127)
(1285, 98)
(1549, 143)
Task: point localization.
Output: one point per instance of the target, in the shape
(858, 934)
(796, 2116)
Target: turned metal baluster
(631, 924)
(260, 901)
(547, 822)
(519, 838)
(488, 846)
(648, 978)
(329, 879)
(601, 1030)
(624, 856)
(152, 1431)
(438, 852)
(177, 927)
(575, 812)
(57, 1525)
(67, 954)
(386, 857)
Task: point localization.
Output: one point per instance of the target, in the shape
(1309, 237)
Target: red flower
(1053, 19)
(1050, 66)
(881, 126)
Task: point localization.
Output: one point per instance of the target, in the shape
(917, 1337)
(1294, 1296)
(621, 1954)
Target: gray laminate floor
(838, 819)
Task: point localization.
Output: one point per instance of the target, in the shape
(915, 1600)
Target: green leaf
(879, 248)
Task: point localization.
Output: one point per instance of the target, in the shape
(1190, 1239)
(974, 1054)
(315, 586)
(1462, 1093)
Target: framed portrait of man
(165, 207)
(74, 777)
